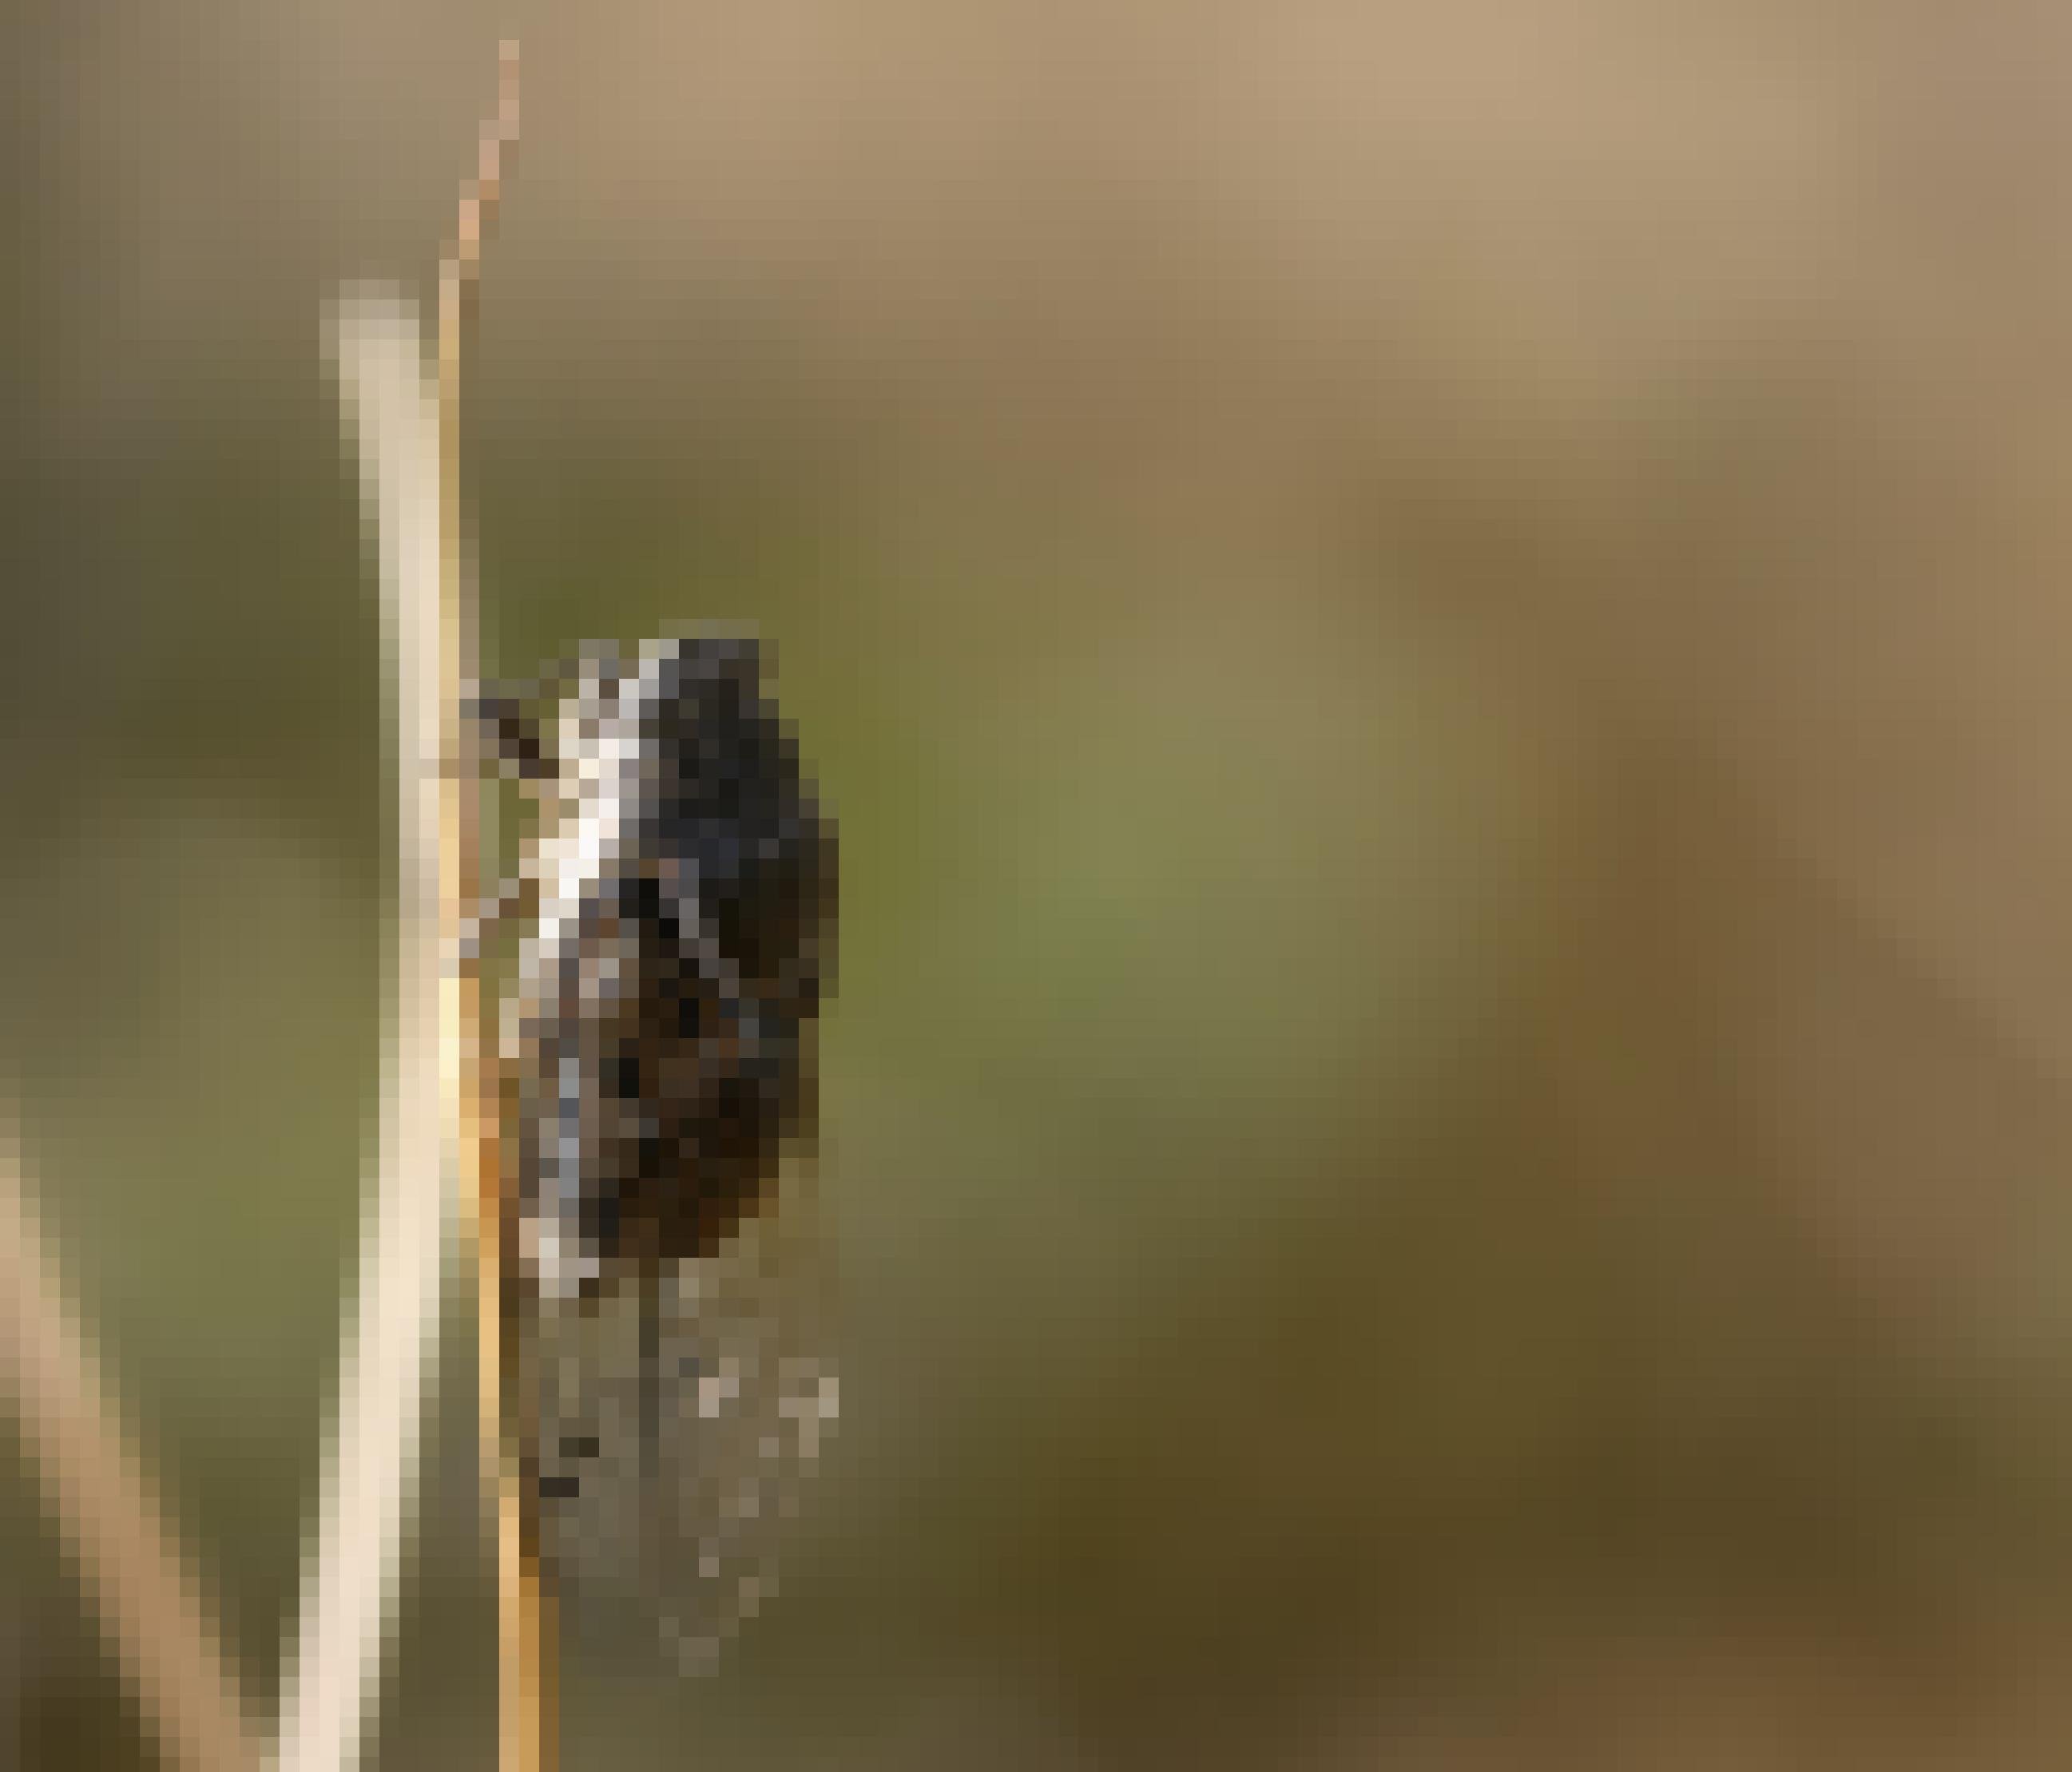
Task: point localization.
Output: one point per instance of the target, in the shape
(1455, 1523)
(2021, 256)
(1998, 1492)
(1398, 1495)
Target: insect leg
(508, 732)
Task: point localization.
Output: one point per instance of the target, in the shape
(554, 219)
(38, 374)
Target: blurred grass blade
(392, 1353)
(96, 1490)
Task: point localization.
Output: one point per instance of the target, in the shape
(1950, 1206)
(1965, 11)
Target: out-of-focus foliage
(1440, 635)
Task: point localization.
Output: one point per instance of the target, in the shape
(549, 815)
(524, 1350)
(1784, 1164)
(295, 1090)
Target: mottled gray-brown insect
(658, 1057)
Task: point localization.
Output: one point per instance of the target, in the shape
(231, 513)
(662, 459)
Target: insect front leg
(513, 721)
(507, 732)
(506, 727)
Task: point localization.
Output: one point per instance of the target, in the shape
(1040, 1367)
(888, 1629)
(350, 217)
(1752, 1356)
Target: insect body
(657, 1049)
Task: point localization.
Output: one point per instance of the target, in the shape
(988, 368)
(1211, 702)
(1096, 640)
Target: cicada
(657, 1057)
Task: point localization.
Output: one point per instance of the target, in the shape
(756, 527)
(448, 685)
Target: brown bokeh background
(1441, 637)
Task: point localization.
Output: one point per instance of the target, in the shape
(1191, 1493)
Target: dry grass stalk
(527, 1709)
(441, 1080)
(95, 1487)
(391, 1360)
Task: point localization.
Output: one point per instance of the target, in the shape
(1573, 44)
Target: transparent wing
(680, 1416)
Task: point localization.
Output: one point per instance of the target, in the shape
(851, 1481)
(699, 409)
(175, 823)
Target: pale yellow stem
(527, 1708)
(96, 1490)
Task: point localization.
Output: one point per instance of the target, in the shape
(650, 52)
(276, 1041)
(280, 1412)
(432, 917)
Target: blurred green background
(1440, 639)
